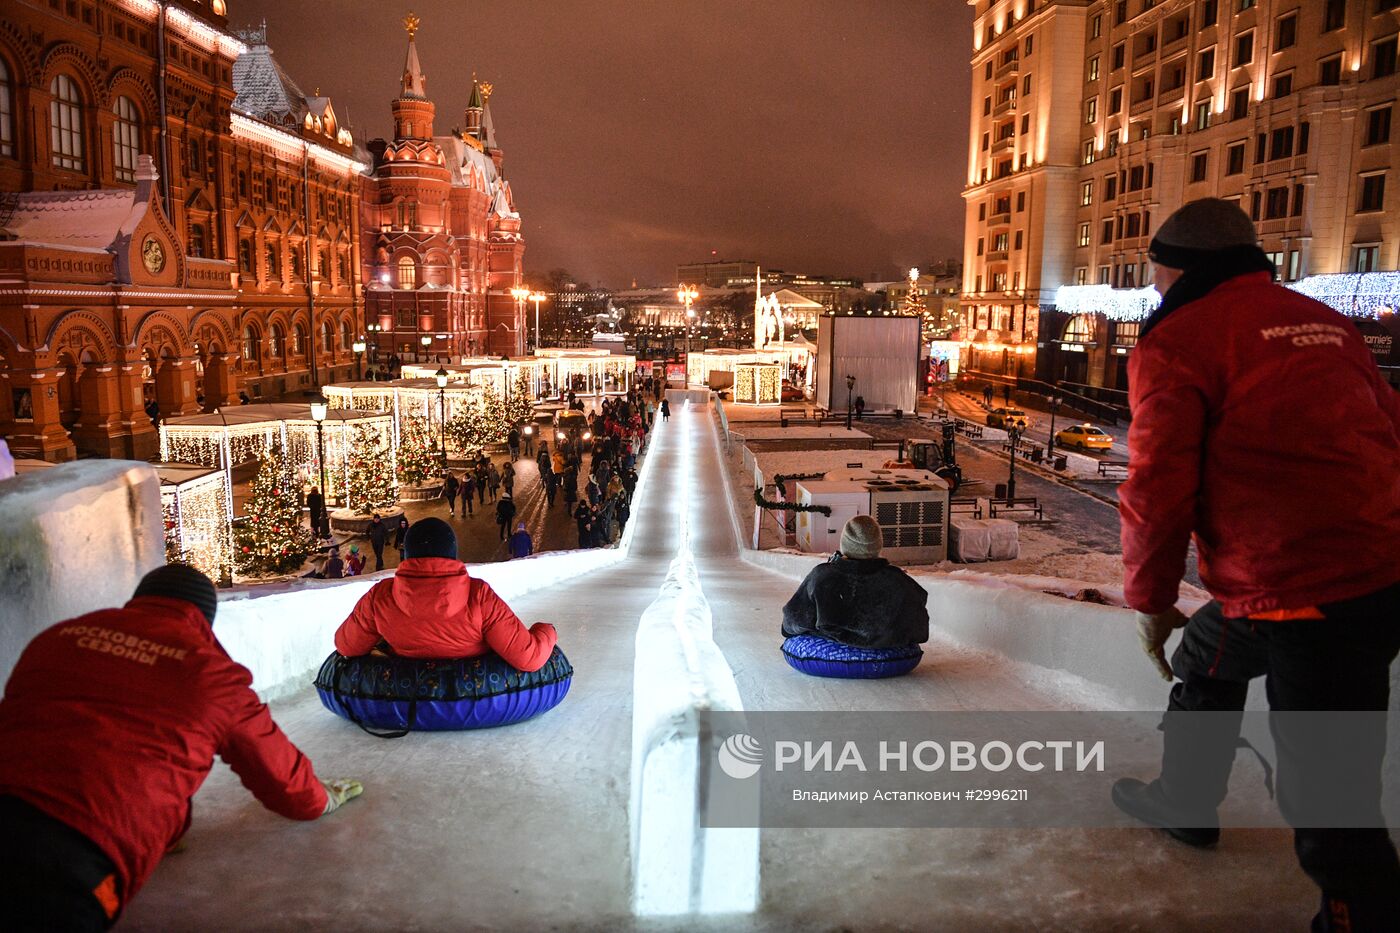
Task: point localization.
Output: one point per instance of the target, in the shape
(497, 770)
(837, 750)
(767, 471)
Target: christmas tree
(371, 485)
(469, 429)
(420, 460)
(519, 408)
(272, 540)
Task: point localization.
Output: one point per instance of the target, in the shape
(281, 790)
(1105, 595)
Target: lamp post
(537, 297)
(1014, 433)
(441, 375)
(426, 342)
(359, 347)
(687, 295)
(850, 390)
(1050, 446)
(318, 415)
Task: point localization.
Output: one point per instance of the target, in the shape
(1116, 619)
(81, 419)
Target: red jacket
(1262, 425)
(432, 608)
(111, 722)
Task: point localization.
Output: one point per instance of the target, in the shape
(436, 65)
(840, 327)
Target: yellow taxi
(1006, 418)
(1084, 437)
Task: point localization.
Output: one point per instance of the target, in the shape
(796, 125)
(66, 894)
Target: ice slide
(527, 827)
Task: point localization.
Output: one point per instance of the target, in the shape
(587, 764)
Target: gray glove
(1153, 632)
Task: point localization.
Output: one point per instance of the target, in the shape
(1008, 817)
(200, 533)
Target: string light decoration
(197, 522)
(758, 383)
(370, 482)
(1116, 304)
(1355, 294)
(519, 408)
(271, 540)
(417, 452)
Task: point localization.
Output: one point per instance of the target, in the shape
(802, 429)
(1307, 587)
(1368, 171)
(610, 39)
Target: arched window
(66, 124)
(1079, 330)
(298, 341)
(327, 337)
(194, 161)
(274, 264)
(7, 111)
(408, 273)
(275, 345)
(347, 339)
(245, 256)
(250, 344)
(126, 138)
(199, 245)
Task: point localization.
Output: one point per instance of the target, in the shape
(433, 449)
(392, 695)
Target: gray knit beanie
(860, 539)
(1200, 229)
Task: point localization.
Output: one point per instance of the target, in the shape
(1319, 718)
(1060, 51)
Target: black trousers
(1337, 663)
(49, 873)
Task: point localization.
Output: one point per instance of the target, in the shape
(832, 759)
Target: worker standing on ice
(109, 724)
(1233, 380)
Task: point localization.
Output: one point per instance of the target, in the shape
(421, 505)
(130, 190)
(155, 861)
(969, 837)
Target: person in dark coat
(858, 598)
(468, 491)
(665, 409)
(505, 514)
(399, 533)
(450, 488)
(583, 517)
(378, 532)
(570, 487)
(335, 567)
(316, 505)
(513, 443)
(860, 407)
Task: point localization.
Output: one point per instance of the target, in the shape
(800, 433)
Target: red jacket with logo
(111, 722)
(1262, 425)
(432, 608)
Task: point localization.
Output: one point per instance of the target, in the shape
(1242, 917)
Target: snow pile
(77, 538)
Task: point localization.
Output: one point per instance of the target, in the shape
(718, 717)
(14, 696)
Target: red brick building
(442, 243)
(176, 226)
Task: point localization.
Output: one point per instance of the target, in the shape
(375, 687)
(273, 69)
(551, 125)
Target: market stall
(194, 501)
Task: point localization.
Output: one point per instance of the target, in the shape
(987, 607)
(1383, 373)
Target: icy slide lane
(526, 827)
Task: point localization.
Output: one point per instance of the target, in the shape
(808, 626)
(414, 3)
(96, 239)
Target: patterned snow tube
(822, 657)
(433, 695)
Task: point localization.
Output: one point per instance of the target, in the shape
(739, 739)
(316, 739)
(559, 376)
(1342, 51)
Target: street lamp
(687, 294)
(426, 341)
(1050, 447)
(441, 375)
(359, 347)
(850, 390)
(318, 415)
(537, 297)
(1014, 433)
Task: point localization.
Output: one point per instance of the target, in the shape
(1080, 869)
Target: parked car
(1007, 417)
(792, 393)
(1084, 437)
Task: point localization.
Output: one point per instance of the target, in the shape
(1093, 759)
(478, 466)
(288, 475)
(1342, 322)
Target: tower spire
(415, 84)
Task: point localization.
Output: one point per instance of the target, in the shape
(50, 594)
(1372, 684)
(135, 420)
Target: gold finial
(486, 89)
(410, 23)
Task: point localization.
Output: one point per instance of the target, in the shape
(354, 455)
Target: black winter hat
(181, 581)
(1200, 229)
(430, 537)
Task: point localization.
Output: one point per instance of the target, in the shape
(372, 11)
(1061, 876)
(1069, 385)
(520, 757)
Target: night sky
(817, 136)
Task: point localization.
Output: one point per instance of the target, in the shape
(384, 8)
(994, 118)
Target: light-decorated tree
(272, 540)
(519, 408)
(420, 459)
(371, 482)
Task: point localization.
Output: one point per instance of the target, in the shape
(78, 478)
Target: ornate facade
(174, 229)
(441, 235)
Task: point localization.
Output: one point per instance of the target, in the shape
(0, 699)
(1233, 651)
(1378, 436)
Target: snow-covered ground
(526, 827)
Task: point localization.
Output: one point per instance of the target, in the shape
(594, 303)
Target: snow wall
(77, 538)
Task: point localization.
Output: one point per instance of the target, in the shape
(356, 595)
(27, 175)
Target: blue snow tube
(822, 657)
(432, 695)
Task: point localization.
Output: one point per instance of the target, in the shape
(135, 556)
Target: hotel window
(1094, 68)
(1025, 124)
(1115, 101)
(1365, 258)
(1119, 53)
(1020, 201)
(1303, 133)
(986, 106)
(1283, 85)
(1030, 46)
(1091, 110)
(1276, 204)
(1210, 12)
(986, 141)
(1203, 115)
(987, 72)
(1286, 35)
(1081, 275)
(1239, 103)
(982, 211)
(66, 124)
(1297, 210)
(1199, 164)
(1025, 86)
(1096, 26)
(1294, 266)
(1329, 72)
(1256, 199)
(1120, 12)
(1086, 194)
(1244, 49)
(1112, 146)
(1378, 126)
(1087, 155)
(1016, 242)
(126, 139)
(1106, 236)
(407, 273)
(7, 112)
(1281, 143)
(1205, 65)
(1372, 192)
(1083, 234)
(999, 243)
(1383, 58)
(1125, 333)
(1110, 187)
(1242, 5)
(1129, 279)
(1104, 275)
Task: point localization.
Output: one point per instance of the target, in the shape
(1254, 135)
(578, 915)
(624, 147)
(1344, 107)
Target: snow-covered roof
(83, 219)
(788, 298)
(464, 160)
(264, 90)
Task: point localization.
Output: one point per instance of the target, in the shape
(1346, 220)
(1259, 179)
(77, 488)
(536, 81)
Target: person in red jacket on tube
(1263, 429)
(109, 724)
(432, 608)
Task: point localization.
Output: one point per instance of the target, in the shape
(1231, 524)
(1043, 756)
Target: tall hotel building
(1093, 120)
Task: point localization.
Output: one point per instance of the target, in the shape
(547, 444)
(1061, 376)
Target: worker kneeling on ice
(857, 615)
(434, 648)
(109, 724)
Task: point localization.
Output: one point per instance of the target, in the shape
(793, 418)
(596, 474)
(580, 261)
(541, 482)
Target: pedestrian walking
(583, 519)
(860, 407)
(987, 395)
(527, 437)
(505, 514)
(493, 479)
(1226, 402)
(570, 482)
(450, 487)
(520, 544)
(468, 491)
(508, 478)
(1006, 393)
(399, 534)
(665, 409)
(513, 444)
(316, 506)
(482, 482)
(377, 533)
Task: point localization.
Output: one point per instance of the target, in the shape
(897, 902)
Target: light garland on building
(1355, 294)
(1116, 304)
(197, 524)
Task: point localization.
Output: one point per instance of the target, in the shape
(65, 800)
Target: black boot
(1147, 803)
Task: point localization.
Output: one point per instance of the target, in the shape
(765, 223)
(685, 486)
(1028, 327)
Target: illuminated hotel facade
(1093, 120)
